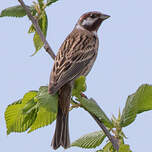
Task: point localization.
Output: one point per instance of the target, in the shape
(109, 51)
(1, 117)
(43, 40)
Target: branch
(112, 139)
(38, 30)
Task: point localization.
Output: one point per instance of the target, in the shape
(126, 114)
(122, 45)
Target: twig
(112, 139)
(38, 30)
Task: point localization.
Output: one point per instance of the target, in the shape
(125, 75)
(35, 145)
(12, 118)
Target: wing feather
(71, 63)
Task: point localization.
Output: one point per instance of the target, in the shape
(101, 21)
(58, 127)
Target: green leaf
(49, 2)
(29, 118)
(136, 103)
(41, 3)
(49, 102)
(124, 148)
(108, 148)
(43, 118)
(37, 43)
(91, 140)
(91, 106)
(79, 86)
(144, 97)
(15, 119)
(15, 11)
(29, 96)
(29, 106)
(47, 108)
(129, 112)
(36, 109)
(43, 23)
(31, 29)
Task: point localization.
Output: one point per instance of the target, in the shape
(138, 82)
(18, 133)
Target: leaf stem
(38, 30)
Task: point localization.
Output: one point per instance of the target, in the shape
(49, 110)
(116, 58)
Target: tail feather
(61, 135)
(65, 142)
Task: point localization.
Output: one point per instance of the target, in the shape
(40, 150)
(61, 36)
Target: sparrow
(75, 58)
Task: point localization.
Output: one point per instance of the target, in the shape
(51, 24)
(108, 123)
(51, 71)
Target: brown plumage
(74, 58)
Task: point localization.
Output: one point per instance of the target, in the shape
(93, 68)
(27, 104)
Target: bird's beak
(104, 16)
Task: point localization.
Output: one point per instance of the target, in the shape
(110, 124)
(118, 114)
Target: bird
(75, 58)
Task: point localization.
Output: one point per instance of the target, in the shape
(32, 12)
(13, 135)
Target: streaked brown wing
(76, 69)
(73, 69)
(72, 59)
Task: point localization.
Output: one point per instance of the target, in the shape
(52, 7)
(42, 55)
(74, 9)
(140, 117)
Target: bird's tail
(61, 135)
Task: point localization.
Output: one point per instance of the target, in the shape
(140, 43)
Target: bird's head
(91, 20)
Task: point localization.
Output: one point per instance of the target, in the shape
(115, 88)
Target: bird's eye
(92, 15)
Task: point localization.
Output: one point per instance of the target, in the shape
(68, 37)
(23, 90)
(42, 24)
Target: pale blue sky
(123, 64)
